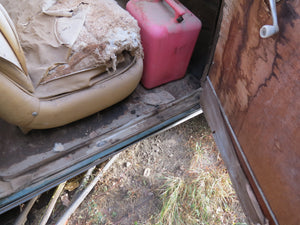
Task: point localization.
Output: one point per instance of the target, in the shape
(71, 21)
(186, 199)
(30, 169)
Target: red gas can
(169, 32)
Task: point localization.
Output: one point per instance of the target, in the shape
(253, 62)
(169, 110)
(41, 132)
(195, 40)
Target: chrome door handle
(269, 30)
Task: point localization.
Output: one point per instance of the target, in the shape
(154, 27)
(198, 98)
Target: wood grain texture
(258, 84)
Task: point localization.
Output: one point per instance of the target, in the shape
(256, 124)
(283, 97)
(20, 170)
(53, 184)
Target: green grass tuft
(204, 195)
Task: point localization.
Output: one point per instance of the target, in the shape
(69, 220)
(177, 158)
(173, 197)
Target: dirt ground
(131, 190)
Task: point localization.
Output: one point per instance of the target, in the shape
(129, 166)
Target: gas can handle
(179, 11)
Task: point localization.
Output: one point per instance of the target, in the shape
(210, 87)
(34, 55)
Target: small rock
(58, 147)
(93, 134)
(156, 149)
(127, 164)
(65, 200)
(147, 172)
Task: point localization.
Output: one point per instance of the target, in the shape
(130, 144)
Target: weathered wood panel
(258, 84)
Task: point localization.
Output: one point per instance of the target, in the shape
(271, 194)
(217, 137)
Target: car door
(251, 99)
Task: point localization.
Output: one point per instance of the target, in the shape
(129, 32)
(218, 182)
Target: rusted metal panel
(258, 84)
(215, 117)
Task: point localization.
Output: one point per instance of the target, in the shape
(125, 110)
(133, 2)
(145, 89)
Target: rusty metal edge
(220, 126)
(28, 193)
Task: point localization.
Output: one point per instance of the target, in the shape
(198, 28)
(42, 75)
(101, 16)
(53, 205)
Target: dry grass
(204, 195)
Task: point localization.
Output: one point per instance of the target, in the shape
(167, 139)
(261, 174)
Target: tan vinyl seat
(61, 61)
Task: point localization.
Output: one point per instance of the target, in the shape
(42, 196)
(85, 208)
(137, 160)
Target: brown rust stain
(258, 84)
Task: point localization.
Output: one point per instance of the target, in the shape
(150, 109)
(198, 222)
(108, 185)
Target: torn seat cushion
(81, 57)
(70, 37)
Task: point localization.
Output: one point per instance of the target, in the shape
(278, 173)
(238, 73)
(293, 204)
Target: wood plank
(258, 84)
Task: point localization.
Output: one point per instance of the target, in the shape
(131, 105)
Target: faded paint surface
(258, 83)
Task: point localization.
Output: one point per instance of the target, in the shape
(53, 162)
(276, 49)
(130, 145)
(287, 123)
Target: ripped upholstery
(64, 60)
